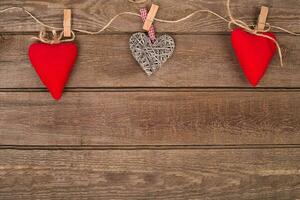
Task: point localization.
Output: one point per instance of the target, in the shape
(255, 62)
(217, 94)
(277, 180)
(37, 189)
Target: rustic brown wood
(150, 118)
(90, 14)
(105, 61)
(162, 174)
(118, 134)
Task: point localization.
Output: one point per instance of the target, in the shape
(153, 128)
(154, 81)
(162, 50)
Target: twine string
(232, 21)
(56, 38)
(252, 30)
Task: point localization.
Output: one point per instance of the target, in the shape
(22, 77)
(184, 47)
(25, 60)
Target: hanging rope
(231, 21)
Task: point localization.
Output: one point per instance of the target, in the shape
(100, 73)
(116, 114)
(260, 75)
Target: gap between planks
(145, 147)
(159, 89)
(112, 33)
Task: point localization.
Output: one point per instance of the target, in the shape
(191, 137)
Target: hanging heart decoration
(148, 50)
(53, 59)
(53, 63)
(151, 56)
(253, 52)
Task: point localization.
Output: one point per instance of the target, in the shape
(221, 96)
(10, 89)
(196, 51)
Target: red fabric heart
(253, 52)
(53, 63)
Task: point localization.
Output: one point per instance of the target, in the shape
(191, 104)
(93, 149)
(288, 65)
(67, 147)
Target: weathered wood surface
(238, 174)
(194, 130)
(106, 61)
(150, 118)
(92, 15)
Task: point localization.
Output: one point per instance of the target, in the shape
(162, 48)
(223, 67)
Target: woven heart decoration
(151, 56)
(53, 63)
(253, 52)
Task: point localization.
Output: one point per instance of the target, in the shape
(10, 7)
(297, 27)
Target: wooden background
(194, 130)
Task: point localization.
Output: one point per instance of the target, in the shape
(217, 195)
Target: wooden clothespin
(150, 17)
(67, 22)
(262, 18)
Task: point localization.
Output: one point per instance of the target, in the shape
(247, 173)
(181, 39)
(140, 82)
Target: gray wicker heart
(150, 55)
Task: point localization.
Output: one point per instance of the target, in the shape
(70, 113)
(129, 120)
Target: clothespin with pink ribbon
(148, 19)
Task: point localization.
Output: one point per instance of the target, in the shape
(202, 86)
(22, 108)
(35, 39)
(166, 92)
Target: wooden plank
(161, 174)
(150, 118)
(91, 15)
(106, 61)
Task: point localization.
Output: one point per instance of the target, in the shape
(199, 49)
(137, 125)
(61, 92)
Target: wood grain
(162, 174)
(106, 61)
(150, 118)
(92, 14)
(195, 130)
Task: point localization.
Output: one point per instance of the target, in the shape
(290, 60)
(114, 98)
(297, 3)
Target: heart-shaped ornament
(253, 52)
(151, 56)
(53, 63)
